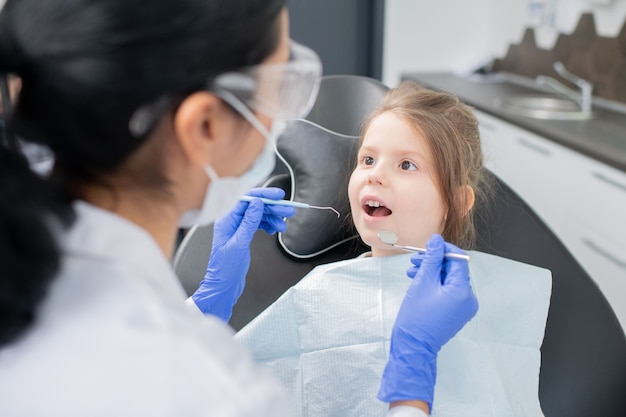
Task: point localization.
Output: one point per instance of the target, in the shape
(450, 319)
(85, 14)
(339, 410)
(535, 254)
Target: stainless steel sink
(543, 107)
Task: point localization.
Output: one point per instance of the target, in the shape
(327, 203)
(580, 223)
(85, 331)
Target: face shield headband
(282, 91)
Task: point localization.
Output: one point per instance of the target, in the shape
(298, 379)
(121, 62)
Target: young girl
(419, 171)
(419, 174)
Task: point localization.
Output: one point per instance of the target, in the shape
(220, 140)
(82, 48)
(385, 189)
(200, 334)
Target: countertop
(603, 137)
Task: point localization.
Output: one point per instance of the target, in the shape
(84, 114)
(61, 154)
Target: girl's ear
(196, 124)
(468, 197)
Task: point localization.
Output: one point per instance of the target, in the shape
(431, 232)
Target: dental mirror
(390, 238)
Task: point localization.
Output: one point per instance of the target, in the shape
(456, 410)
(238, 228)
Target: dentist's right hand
(225, 276)
(437, 304)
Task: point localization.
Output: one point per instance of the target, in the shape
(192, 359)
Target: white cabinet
(522, 160)
(582, 200)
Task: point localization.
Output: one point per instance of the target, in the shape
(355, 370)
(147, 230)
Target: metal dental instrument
(296, 204)
(390, 238)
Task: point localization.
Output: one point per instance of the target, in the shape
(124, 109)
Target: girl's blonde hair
(451, 130)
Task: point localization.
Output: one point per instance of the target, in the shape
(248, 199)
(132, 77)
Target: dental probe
(390, 238)
(288, 203)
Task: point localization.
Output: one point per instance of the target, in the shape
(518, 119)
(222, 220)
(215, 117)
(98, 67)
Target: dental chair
(583, 364)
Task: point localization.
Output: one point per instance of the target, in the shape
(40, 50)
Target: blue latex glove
(226, 272)
(437, 304)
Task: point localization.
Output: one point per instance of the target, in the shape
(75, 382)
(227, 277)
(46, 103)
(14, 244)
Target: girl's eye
(368, 160)
(408, 166)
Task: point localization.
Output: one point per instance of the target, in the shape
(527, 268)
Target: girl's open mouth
(376, 209)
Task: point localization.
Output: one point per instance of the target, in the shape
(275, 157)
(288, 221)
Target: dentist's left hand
(225, 276)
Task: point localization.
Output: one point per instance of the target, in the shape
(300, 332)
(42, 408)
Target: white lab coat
(114, 338)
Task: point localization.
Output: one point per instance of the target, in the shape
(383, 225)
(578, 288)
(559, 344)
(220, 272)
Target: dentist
(159, 114)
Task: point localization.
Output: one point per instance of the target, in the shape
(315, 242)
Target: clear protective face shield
(282, 91)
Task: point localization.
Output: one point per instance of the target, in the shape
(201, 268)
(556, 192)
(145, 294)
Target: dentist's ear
(197, 126)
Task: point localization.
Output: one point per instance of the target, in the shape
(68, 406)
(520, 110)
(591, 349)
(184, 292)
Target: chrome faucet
(582, 97)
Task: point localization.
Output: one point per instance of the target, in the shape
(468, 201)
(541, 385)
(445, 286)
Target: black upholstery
(315, 180)
(583, 371)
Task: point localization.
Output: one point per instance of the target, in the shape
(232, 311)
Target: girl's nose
(374, 177)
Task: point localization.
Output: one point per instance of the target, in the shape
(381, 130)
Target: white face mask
(223, 193)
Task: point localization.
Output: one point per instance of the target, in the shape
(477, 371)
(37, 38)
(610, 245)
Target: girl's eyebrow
(366, 148)
(406, 153)
(420, 155)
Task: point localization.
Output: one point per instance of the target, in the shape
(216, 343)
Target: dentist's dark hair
(85, 68)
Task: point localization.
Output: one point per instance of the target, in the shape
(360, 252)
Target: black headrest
(319, 163)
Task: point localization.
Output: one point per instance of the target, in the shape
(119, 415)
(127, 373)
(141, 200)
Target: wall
(609, 16)
(460, 35)
(348, 40)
